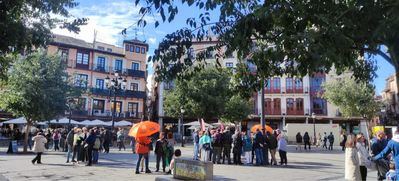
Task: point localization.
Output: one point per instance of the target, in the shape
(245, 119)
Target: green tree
(236, 110)
(27, 24)
(352, 98)
(36, 88)
(283, 37)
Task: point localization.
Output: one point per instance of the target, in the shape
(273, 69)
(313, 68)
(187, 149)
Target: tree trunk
(26, 137)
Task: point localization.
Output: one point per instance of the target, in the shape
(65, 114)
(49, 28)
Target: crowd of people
(306, 141)
(217, 145)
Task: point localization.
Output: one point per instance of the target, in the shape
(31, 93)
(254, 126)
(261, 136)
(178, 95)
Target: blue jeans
(69, 152)
(95, 155)
(196, 149)
(259, 156)
(145, 159)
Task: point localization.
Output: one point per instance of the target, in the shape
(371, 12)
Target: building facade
(390, 99)
(89, 64)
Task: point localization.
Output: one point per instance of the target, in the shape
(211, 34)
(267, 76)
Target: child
(172, 163)
(391, 174)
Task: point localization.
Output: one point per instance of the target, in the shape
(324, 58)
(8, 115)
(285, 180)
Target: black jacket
(69, 137)
(159, 147)
(272, 142)
(227, 140)
(306, 138)
(298, 138)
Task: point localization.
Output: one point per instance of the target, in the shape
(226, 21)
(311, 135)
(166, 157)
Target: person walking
(227, 141)
(306, 140)
(160, 146)
(272, 147)
(343, 141)
(331, 141)
(96, 146)
(237, 148)
(298, 141)
(325, 141)
(205, 143)
(69, 143)
(258, 146)
(352, 168)
(107, 140)
(377, 146)
(56, 139)
(39, 147)
(89, 141)
(362, 154)
(142, 149)
(247, 148)
(121, 139)
(282, 149)
(196, 144)
(217, 147)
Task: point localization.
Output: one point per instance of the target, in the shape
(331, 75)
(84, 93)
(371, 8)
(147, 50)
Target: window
(100, 83)
(109, 49)
(276, 84)
(316, 83)
(82, 58)
(142, 50)
(209, 54)
(63, 53)
(100, 63)
(299, 104)
(118, 106)
(81, 104)
(100, 47)
(127, 47)
(81, 80)
(191, 53)
(169, 85)
(268, 106)
(277, 106)
(290, 105)
(132, 48)
(137, 49)
(229, 64)
(132, 108)
(98, 106)
(298, 84)
(319, 106)
(289, 83)
(134, 86)
(268, 85)
(135, 66)
(118, 65)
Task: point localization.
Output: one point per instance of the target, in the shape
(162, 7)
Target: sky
(110, 17)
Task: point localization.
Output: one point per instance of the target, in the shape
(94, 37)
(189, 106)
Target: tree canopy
(27, 24)
(282, 37)
(37, 88)
(207, 94)
(351, 97)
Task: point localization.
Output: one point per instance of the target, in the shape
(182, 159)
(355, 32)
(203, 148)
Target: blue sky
(110, 17)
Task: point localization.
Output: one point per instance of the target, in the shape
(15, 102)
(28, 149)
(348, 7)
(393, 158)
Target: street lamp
(116, 84)
(70, 102)
(180, 126)
(314, 127)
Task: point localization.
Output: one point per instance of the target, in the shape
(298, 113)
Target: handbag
(206, 146)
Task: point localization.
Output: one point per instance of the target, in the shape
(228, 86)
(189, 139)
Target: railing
(320, 111)
(295, 112)
(126, 93)
(125, 72)
(273, 111)
(108, 113)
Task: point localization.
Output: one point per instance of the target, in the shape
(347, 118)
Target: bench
(188, 169)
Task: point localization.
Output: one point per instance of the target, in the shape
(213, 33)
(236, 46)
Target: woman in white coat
(352, 168)
(363, 155)
(38, 147)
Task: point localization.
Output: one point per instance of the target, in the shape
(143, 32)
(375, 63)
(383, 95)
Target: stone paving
(119, 165)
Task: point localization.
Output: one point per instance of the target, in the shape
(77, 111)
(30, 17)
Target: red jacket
(142, 145)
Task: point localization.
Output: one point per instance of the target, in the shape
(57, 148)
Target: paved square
(119, 165)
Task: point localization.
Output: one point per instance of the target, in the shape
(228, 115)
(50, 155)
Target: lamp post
(314, 127)
(116, 84)
(383, 115)
(181, 126)
(70, 102)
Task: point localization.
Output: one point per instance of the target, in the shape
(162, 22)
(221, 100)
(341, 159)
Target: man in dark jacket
(160, 145)
(272, 147)
(258, 147)
(90, 140)
(69, 142)
(378, 144)
(217, 147)
(265, 148)
(306, 140)
(107, 140)
(299, 141)
(227, 141)
(331, 141)
(237, 148)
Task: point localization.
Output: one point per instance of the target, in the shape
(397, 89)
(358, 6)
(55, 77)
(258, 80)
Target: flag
(202, 125)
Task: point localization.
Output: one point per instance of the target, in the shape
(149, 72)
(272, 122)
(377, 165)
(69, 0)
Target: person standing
(160, 147)
(107, 140)
(142, 149)
(272, 147)
(331, 141)
(265, 148)
(227, 141)
(237, 148)
(56, 139)
(352, 168)
(298, 141)
(171, 147)
(89, 141)
(77, 143)
(83, 148)
(282, 149)
(325, 141)
(258, 146)
(39, 147)
(196, 144)
(96, 146)
(247, 148)
(69, 142)
(343, 141)
(205, 143)
(362, 154)
(121, 139)
(319, 140)
(217, 147)
(377, 146)
(306, 140)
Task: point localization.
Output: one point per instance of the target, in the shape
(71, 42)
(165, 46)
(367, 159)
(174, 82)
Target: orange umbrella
(145, 128)
(258, 126)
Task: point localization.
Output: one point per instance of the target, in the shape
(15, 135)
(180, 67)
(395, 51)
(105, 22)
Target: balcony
(125, 72)
(100, 68)
(273, 111)
(108, 113)
(126, 93)
(136, 73)
(295, 112)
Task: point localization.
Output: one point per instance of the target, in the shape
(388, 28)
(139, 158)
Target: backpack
(97, 143)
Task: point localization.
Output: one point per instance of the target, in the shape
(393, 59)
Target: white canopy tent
(98, 122)
(196, 123)
(20, 120)
(63, 121)
(85, 122)
(123, 123)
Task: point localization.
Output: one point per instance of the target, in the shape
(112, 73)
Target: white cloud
(152, 40)
(108, 19)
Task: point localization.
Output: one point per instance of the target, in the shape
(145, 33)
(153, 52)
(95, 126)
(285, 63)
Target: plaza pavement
(119, 165)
